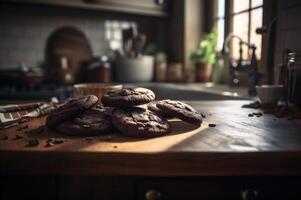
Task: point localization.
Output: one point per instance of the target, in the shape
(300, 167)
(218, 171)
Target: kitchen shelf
(158, 11)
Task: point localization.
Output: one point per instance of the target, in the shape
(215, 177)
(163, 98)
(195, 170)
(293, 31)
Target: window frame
(228, 19)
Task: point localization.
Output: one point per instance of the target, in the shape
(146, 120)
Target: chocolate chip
(255, 104)
(257, 114)
(212, 125)
(3, 137)
(115, 147)
(250, 115)
(108, 138)
(18, 136)
(89, 138)
(32, 142)
(40, 130)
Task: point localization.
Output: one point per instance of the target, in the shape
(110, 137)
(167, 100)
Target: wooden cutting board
(71, 43)
(113, 142)
(238, 145)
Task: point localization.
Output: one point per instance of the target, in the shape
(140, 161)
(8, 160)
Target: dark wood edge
(152, 164)
(93, 6)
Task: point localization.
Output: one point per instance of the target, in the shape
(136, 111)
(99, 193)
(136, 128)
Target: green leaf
(207, 49)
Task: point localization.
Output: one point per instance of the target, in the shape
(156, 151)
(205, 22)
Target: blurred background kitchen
(220, 47)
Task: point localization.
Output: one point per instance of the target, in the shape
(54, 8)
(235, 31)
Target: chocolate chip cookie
(105, 109)
(140, 122)
(70, 110)
(128, 97)
(180, 110)
(92, 122)
(152, 106)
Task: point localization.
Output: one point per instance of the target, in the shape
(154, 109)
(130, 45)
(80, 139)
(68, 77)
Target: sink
(187, 93)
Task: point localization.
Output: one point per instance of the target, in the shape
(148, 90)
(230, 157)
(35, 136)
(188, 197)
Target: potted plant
(204, 57)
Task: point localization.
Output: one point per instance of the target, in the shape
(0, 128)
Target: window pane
(221, 8)
(255, 3)
(256, 21)
(239, 5)
(220, 27)
(113, 32)
(240, 28)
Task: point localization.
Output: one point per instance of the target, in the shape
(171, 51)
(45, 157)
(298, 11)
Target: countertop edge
(152, 164)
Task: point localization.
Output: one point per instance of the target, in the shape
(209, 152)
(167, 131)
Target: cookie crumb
(22, 128)
(3, 137)
(40, 130)
(18, 136)
(212, 125)
(108, 138)
(89, 138)
(32, 142)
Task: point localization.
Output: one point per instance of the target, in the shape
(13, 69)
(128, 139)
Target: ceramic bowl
(139, 69)
(97, 89)
(269, 94)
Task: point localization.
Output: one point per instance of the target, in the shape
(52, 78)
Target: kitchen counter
(238, 146)
(184, 91)
(194, 90)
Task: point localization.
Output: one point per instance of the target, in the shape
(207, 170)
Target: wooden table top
(238, 145)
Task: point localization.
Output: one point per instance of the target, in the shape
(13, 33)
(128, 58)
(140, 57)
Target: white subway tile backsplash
(24, 31)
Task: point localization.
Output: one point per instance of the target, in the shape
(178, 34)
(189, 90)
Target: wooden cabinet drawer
(27, 187)
(220, 188)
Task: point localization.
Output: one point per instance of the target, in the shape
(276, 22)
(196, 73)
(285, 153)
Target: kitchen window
(241, 17)
(113, 32)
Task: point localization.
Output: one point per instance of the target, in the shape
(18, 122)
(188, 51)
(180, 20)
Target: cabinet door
(27, 187)
(270, 188)
(187, 189)
(95, 188)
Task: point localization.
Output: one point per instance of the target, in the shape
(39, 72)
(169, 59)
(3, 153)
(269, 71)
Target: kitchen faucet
(240, 65)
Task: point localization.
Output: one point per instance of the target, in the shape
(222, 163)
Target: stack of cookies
(124, 110)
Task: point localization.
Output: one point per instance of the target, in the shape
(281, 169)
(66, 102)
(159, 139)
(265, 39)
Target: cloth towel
(11, 115)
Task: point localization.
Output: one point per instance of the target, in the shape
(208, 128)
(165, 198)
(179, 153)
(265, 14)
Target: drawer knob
(249, 194)
(152, 195)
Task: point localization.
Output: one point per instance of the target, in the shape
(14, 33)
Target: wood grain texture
(238, 145)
